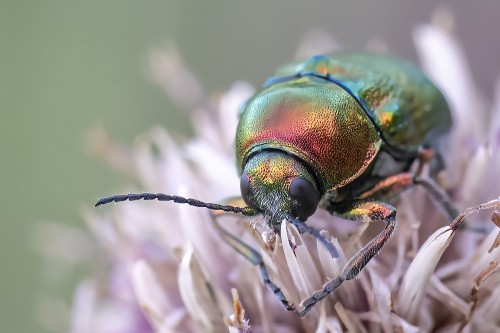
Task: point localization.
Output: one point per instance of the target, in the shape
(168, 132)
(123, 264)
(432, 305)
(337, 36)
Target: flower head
(170, 269)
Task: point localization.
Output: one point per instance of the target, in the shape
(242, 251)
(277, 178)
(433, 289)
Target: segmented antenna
(175, 198)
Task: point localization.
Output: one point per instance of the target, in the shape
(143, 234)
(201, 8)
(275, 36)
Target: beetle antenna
(302, 227)
(175, 198)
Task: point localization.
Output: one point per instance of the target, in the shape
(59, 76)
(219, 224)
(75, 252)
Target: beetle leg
(369, 211)
(391, 186)
(302, 228)
(425, 155)
(443, 202)
(439, 196)
(255, 258)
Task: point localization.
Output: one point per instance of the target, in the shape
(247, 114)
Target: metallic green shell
(408, 108)
(321, 124)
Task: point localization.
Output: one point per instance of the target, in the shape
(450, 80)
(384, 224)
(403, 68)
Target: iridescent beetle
(336, 132)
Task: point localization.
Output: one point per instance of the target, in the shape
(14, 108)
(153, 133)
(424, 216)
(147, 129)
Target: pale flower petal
(443, 59)
(302, 268)
(205, 304)
(83, 308)
(349, 319)
(494, 135)
(170, 72)
(417, 277)
(477, 166)
(168, 263)
(149, 293)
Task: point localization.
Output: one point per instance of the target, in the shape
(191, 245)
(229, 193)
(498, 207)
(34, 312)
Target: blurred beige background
(68, 66)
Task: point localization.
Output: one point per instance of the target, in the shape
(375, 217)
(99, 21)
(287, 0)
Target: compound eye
(306, 196)
(245, 188)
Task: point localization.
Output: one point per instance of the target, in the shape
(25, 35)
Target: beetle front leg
(255, 258)
(368, 211)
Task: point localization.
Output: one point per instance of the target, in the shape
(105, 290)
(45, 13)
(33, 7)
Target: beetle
(338, 132)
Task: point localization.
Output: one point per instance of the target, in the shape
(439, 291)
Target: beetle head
(278, 185)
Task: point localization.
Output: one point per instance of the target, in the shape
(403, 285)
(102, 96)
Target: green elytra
(407, 107)
(338, 132)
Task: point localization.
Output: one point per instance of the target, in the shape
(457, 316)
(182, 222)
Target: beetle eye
(307, 197)
(245, 188)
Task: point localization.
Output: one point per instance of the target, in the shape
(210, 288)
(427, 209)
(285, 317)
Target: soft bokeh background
(68, 66)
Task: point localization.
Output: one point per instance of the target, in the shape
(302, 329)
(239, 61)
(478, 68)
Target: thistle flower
(170, 271)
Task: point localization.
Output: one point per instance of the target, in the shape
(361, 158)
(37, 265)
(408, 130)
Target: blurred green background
(68, 66)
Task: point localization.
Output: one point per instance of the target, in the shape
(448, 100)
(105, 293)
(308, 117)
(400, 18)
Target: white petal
(328, 324)
(443, 59)
(380, 300)
(331, 266)
(416, 279)
(279, 271)
(149, 293)
(170, 72)
(404, 326)
(445, 295)
(494, 135)
(84, 302)
(473, 178)
(204, 302)
(218, 171)
(352, 323)
(300, 269)
(482, 256)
